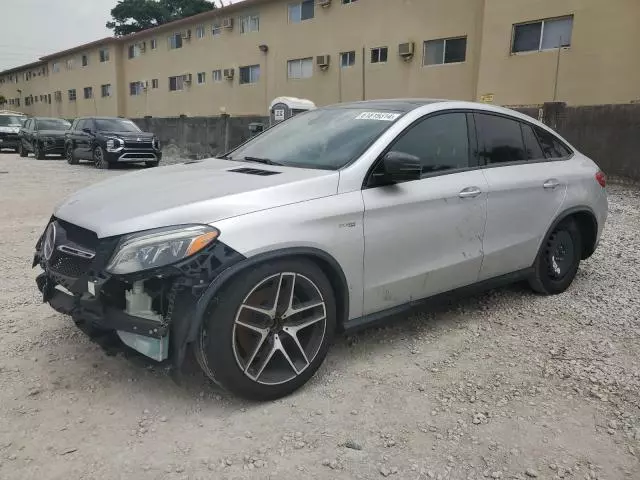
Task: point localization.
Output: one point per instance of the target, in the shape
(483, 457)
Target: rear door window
(551, 146)
(499, 139)
(531, 144)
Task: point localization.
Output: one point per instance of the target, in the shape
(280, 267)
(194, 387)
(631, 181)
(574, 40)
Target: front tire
(70, 156)
(558, 260)
(268, 331)
(99, 159)
(21, 151)
(38, 152)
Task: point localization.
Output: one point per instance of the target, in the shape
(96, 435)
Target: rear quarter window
(551, 145)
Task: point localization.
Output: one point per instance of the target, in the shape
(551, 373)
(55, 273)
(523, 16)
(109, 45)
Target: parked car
(327, 222)
(109, 140)
(43, 136)
(10, 123)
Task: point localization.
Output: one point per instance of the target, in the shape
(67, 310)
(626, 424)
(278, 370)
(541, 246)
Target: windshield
(326, 139)
(52, 124)
(10, 121)
(116, 125)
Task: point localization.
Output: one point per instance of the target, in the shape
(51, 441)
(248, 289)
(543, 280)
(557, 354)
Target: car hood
(128, 135)
(52, 133)
(193, 192)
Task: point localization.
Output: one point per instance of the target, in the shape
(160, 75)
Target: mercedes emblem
(49, 241)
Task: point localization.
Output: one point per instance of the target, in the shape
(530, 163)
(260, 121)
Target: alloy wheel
(97, 157)
(279, 328)
(559, 254)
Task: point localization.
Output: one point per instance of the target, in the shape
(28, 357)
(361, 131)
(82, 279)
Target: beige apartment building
(238, 58)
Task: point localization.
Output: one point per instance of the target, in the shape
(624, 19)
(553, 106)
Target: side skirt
(372, 319)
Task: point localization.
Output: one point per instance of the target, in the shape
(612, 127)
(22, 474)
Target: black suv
(110, 140)
(42, 136)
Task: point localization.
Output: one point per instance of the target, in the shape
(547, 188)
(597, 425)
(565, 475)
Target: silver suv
(326, 222)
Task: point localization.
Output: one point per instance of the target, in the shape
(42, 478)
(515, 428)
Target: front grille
(69, 265)
(8, 136)
(138, 145)
(68, 234)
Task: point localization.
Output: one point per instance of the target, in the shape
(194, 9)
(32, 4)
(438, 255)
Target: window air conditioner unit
(187, 77)
(406, 50)
(186, 35)
(228, 73)
(323, 61)
(324, 3)
(227, 23)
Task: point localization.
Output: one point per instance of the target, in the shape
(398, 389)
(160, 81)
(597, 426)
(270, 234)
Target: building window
(200, 31)
(250, 23)
(201, 78)
(70, 64)
(216, 75)
(249, 74)
(85, 60)
(347, 59)
(347, 2)
(153, 43)
(49, 98)
(450, 50)
(379, 54)
(136, 88)
(88, 92)
(216, 29)
(104, 55)
(135, 50)
(175, 41)
(301, 11)
(154, 83)
(300, 68)
(72, 95)
(105, 90)
(542, 35)
(176, 83)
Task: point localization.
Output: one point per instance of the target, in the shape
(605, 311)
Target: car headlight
(159, 247)
(156, 143)
(114, 144)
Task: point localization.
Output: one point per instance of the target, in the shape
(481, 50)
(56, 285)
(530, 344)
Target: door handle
(469, 192)
(551, 184)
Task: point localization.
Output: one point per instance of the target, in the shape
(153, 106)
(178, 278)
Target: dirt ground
(502, 385)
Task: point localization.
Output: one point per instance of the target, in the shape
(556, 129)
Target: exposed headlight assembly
(156, 143)
(115, 144)
(159, 247)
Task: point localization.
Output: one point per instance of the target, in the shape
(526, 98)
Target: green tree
(131, 16)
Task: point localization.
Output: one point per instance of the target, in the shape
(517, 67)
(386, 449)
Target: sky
(42, 27)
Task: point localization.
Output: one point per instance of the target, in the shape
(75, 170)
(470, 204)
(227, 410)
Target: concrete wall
(609, 134)
(198, 137)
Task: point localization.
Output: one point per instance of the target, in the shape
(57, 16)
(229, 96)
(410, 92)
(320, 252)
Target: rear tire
(21, 151)
(241, 349)
(99, 159)
(70, 156)
(558, 260)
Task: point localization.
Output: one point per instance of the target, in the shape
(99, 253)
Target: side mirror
(402, 167)
(87, 130)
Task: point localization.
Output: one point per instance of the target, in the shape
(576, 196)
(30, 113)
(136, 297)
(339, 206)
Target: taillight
(601, 178)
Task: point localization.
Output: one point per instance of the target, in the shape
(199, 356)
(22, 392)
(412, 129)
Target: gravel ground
(502, 385)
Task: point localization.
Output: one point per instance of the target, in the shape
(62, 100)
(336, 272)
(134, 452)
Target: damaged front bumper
(151, 311)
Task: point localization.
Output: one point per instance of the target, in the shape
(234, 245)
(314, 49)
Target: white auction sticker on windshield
(380, 116)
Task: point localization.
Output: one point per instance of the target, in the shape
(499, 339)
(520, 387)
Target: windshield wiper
(264, 161)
